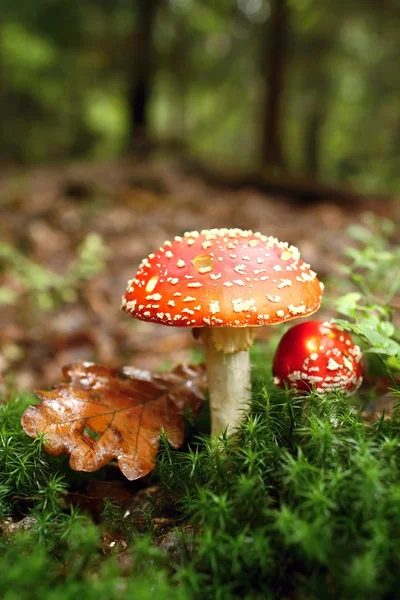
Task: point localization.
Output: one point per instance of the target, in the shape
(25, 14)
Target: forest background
(308, 87)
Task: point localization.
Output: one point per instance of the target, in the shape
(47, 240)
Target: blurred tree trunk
(143, 69)
(312, 139)
(273, 69)
(180, 70)
(2, 109)
(316, 78)
(6, 100)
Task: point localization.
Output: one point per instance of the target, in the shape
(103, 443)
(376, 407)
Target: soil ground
(135, 206)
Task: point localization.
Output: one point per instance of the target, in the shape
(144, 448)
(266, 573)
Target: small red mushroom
(224, 283)
(320, 356)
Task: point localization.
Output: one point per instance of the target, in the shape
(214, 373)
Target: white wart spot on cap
(240, 305)
(273, 298)
(333, 365)
(284, 283)
(297, 310)
(214, 306)
(203, 263)
(151, 284)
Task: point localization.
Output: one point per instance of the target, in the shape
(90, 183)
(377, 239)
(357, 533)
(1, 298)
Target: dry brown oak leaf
(102, 414)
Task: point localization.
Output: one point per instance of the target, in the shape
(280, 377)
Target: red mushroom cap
(319, 355)
(223, 278)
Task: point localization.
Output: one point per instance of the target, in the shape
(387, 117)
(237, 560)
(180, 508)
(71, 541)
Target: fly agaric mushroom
(319, 355)
(224, 283)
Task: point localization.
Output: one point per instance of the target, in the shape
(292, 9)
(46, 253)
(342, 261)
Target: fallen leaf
(102, 414)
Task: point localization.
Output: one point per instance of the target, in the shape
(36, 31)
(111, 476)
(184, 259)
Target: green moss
(302, 502)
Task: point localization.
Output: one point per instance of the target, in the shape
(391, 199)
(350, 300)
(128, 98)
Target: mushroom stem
(228, 374)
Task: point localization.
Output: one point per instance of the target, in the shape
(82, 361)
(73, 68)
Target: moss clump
(302, 502)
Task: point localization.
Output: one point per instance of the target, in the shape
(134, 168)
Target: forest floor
(46, 213)
(302, 502)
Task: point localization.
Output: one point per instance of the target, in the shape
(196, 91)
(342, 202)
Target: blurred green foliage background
(69, 76)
